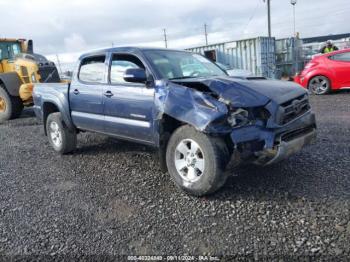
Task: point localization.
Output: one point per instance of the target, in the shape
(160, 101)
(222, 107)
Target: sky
(68, 28)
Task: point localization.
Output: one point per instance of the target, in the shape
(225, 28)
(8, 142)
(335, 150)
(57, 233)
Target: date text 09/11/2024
(173, 258)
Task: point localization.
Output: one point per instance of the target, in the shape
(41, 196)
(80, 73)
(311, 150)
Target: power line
(251, 17)
(192, 31)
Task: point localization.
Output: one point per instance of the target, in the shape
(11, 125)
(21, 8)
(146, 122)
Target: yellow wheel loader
(20, 67)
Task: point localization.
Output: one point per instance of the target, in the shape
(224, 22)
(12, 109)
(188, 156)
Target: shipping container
(256, 55)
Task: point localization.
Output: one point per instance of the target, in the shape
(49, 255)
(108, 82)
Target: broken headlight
(261, 113)
(241, 117)
(238, 118)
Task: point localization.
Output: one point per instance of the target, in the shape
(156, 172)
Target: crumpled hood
(245, 92)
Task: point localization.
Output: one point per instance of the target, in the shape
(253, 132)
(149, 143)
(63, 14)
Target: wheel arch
(50, 107)
(322, 74)
(167, 126)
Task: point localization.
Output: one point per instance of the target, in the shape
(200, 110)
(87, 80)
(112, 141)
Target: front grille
(297, 133)
(294, 108)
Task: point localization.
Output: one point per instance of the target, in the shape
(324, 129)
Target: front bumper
(279, 143)
(285, 149)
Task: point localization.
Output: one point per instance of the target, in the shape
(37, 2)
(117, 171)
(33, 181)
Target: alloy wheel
(189, 160)
(56, 134)
(319, 85)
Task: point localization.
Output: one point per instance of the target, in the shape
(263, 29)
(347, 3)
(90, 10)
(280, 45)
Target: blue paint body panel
(134, 111)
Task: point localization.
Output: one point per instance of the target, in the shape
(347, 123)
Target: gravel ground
(109, 198)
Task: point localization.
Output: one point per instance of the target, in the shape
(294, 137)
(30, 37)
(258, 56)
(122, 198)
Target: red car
(326, 73)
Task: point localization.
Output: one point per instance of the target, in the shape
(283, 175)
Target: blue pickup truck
(202, 121)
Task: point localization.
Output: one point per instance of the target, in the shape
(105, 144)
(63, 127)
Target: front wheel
(60, 137)
(319, 85)
(196, 161)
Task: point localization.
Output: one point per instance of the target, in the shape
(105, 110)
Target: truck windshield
(179, 65)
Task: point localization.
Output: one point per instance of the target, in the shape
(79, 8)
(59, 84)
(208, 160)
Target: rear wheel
(10, 106)
(196, 161)
(319, 85)
(60, 137)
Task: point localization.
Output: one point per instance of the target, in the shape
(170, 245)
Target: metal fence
(256, 55)
(289, 56)
(264, 56)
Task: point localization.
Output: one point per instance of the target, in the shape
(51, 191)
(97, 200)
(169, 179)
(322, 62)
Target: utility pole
(165, 38)
(294, 2)
(296, 50)
(206, 34)
(268, 16)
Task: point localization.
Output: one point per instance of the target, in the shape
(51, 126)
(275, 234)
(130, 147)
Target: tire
(319, 85)
(60, 137)
(10, 106)
(204, 175)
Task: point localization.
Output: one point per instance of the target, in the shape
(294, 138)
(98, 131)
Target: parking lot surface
(110, 198)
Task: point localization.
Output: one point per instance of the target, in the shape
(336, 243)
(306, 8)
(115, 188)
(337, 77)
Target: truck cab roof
(128, 49)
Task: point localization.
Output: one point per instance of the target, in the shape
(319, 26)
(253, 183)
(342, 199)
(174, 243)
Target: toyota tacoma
(201, 121)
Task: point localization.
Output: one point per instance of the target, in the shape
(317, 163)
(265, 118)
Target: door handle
(108, 94)
(76, 92)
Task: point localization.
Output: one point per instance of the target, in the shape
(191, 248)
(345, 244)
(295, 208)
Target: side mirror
(135, 75)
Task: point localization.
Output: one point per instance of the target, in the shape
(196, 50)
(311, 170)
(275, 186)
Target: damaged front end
(289, 127)
(265, 121)
(264, 146)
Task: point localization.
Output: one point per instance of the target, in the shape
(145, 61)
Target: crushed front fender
(199, 109)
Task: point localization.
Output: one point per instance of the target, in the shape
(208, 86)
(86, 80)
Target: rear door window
(92, 70)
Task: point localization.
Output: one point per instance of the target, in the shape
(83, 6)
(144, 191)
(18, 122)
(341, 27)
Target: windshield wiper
(181, 77)
(187, 77)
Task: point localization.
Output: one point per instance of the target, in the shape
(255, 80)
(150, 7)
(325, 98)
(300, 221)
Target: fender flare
(60, 108)
(12, 83)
